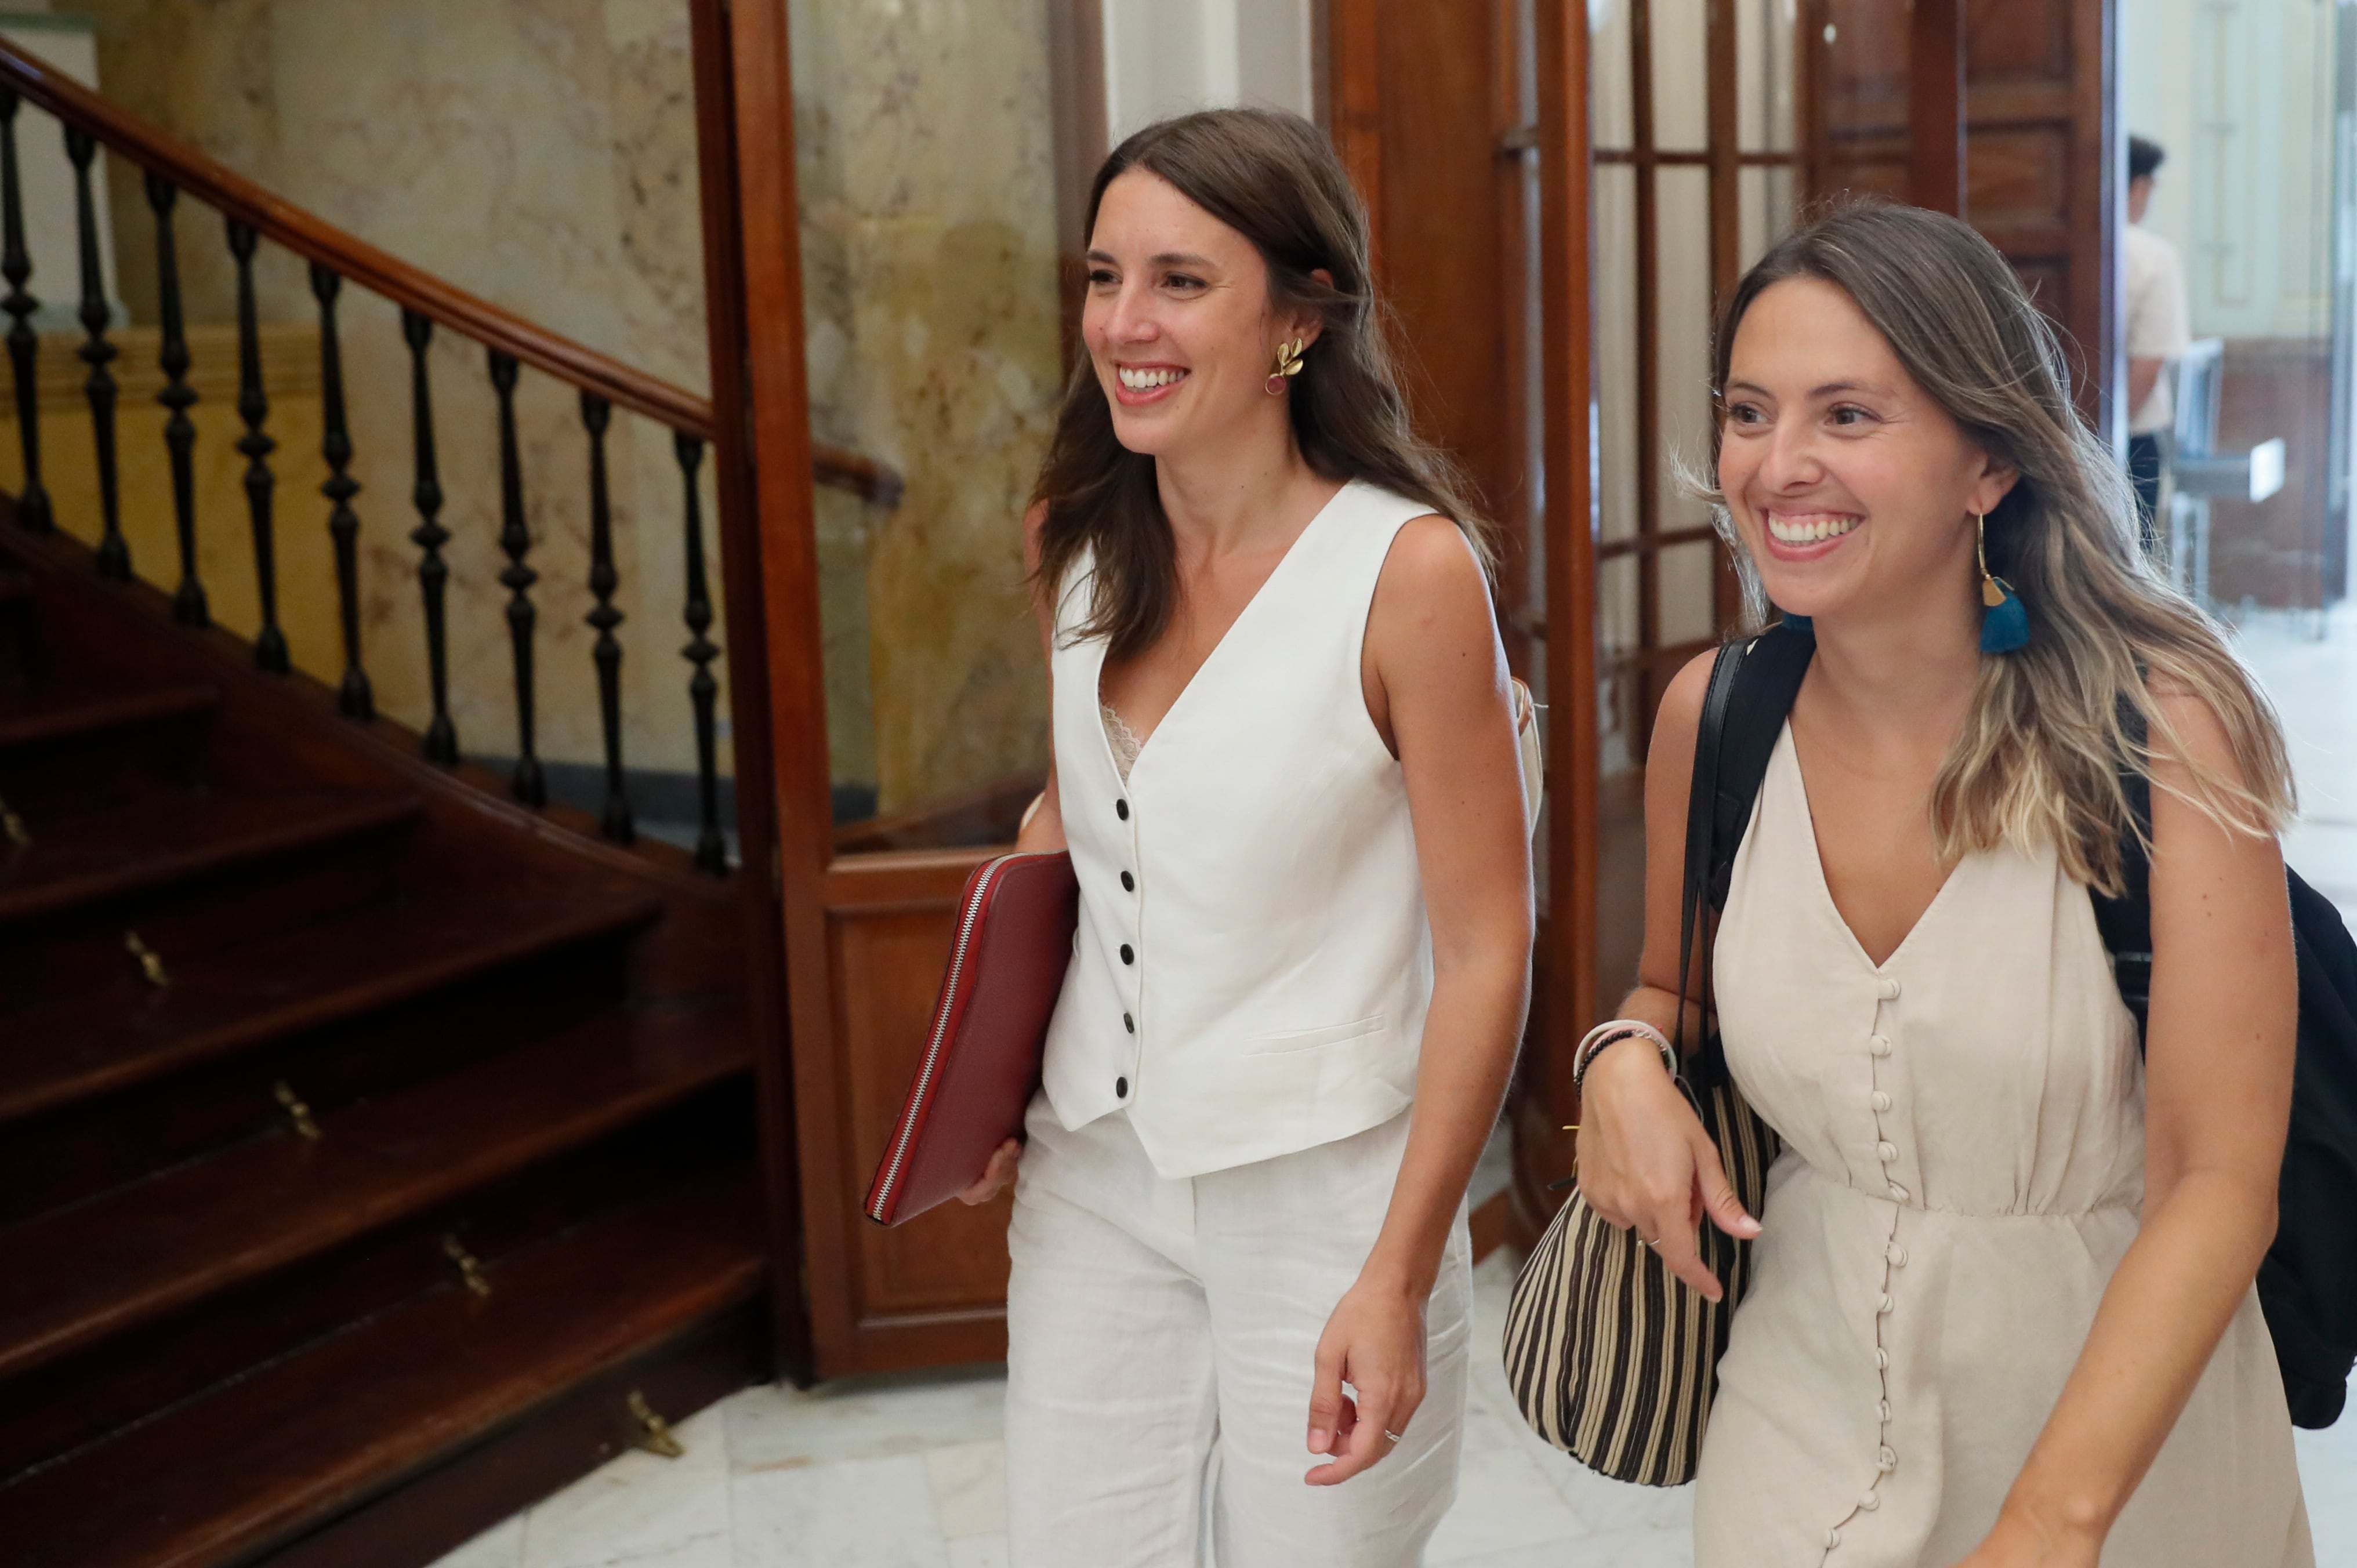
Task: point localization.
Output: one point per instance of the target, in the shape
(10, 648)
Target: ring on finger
(1390, 1436)
(1654, 1242)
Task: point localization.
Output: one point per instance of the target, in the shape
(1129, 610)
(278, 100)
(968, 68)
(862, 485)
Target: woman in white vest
(1286, 766)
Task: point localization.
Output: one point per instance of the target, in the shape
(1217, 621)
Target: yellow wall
(225, 558)
(540, 153)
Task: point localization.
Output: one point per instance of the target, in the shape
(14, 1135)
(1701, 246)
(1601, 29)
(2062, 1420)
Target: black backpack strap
(2125, 922)
(1765, 687)
(1752, 685)
(1702, 793)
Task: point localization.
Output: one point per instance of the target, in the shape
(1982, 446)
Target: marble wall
(924, 136)
(540, 153)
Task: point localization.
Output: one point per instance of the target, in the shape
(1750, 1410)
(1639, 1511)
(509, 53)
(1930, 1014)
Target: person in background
(2157, 331)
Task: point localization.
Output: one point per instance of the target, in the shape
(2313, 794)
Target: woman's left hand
(1375, 1342)
(2021, 1541)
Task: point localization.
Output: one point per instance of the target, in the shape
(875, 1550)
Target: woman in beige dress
(2003, 1313)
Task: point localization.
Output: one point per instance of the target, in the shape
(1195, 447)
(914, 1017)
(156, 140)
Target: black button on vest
(1127, 955)
(1128, 883)
(1121, 1089)
(1121, 810)
(1129, 1023)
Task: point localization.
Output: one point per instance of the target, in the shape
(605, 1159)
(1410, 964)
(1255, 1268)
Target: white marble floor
(2309, 665)
(908, 1473)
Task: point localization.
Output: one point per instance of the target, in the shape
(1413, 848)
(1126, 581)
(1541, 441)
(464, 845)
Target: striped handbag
(1610, 1357)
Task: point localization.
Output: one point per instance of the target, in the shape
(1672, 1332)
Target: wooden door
(2019, 91)
(906, 696)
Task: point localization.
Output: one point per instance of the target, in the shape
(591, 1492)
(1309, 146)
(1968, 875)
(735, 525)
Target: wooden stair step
(152, 842)
(71, 1048)
(79, 1274)
(260, 1460)
(46, 713)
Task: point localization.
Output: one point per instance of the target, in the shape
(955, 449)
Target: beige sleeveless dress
(1964, 1169)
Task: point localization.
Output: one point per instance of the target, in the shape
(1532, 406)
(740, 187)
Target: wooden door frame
(1566, 959)
(766, 397)
(719, 87)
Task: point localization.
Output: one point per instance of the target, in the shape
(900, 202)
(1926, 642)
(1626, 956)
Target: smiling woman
(2002, 1312)
(1285, 769)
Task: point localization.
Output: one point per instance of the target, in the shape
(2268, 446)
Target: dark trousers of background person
(2144, 469)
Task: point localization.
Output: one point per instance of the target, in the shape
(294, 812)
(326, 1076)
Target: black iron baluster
(430, 536)
(179, 431)
(24, 344)
(530, 785)
(607, 653)
(354, 697)
(97, 315)
(253, 407)
(711, 849)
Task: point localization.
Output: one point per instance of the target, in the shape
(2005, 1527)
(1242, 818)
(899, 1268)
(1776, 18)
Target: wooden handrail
(315, 240)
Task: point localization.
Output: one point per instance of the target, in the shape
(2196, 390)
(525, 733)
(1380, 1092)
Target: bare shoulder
(2200, 734)
(1431, 582)
(1679, 719)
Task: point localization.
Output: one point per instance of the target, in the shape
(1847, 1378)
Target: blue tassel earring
(2005, 625)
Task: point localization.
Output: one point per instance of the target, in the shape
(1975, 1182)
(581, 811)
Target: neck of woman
(1902, 669)
(1235, 493)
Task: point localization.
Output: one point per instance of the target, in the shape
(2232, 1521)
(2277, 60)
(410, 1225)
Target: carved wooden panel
(2041, 142)
(2039, 160)
(2018, 39)
(889, 963)
(931, 1290)
(1860, 50)
(2021, 178)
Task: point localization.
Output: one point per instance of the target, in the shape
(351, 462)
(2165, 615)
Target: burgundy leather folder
(981, 1065)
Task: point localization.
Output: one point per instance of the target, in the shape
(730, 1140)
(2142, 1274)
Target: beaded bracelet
(1611, 1033)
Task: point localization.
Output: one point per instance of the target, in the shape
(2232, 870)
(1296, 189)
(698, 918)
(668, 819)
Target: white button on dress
(2017, 1110)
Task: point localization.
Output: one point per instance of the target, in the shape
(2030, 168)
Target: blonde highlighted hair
(2052, 726)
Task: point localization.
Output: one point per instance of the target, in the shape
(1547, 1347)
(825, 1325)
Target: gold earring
(1288, 363)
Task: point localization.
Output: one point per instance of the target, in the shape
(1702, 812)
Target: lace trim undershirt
(1126, 743)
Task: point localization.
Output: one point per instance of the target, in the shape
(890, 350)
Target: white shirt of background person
(2158, 331)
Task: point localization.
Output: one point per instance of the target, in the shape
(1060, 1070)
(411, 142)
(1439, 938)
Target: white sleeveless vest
(1253, 964)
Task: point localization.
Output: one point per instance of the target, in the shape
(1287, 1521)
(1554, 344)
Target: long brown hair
(2050, 725)
(1274, 179)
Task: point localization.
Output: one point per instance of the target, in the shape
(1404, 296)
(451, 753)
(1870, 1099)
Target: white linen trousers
(1161, 1339)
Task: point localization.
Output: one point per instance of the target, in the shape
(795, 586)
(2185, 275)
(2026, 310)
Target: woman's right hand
(996, 1174)
(1645, 1161)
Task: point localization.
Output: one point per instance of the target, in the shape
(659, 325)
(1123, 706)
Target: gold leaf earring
(1288, 363)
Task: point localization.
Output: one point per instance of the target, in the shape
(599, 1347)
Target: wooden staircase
(375, 1154)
